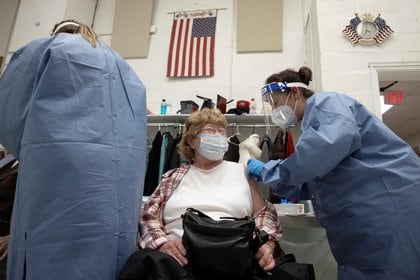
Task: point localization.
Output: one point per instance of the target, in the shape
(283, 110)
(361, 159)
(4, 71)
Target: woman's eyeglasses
(213, 130)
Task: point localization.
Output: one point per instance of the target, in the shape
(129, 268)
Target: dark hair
(304, 75)
(87, 33)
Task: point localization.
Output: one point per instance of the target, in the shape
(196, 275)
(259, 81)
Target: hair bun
(305, 74)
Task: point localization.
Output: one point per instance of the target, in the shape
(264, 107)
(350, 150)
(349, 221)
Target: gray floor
(310, 245)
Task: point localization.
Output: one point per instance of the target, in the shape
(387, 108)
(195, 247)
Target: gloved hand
(254, 169)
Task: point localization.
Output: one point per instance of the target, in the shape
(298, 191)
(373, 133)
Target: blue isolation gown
(365, 186)
(75, 117)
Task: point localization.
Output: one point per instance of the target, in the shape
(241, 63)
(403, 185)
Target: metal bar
(165, 124)
(229, 125)
(218, 9)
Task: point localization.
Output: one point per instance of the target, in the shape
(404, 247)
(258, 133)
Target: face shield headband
(268, 89)
(64, 24)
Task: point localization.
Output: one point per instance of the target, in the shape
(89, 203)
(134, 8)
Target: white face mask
(284, 116)
(213, 146)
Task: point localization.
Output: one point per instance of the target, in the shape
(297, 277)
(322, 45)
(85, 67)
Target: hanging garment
(279, 149)
(365, 182)
(152, 174)
(8, 178)
(266, 147)
(249, 149)
(232, 153)
(166, 139)
(173, 159)
(75, 117)
(290, 146)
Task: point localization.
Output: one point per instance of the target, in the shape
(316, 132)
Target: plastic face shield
(268, 89)
(276, 87)
(59, 28)
(268, 102)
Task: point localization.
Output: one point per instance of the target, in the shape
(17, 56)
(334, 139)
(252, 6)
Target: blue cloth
(75, 117)
(166, 138)
(365, 186)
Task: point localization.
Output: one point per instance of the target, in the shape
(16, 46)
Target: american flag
(350, 30)
(384, 31)
(191, 49)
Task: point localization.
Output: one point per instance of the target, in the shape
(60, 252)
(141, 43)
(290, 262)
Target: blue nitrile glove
(255, 167)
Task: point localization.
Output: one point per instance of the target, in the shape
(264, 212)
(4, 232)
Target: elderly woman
(208, 183)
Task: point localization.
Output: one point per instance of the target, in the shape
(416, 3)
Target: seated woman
(214, 186)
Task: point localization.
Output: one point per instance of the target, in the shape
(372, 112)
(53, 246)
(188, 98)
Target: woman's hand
(264, 256)
(4, 244)
(175, 249)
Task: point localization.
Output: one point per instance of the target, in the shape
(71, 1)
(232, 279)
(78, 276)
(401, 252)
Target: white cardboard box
(290, 209)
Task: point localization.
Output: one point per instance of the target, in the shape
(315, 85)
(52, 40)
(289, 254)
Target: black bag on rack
(224, 249)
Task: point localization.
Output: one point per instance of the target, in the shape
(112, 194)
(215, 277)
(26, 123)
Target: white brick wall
(345, 67)
(337, 64)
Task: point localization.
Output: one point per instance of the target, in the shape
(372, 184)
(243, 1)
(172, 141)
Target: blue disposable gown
(75, 117)
(365, 186)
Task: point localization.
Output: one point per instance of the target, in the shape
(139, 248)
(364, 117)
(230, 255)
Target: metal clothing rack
(175, 125)
(238, 121)
(231, 118)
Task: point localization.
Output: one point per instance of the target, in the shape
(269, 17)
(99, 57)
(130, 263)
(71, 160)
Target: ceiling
(403, 119)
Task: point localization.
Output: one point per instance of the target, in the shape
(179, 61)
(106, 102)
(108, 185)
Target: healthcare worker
(364, 180)
(74, 114)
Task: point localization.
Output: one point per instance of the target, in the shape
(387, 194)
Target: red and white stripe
(188, 56)
(383, 34)
(351, 34)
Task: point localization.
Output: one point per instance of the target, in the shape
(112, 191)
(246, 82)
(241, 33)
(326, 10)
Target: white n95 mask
(284, 116)
(213, 146)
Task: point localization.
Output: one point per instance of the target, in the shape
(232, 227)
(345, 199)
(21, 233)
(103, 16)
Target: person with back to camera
(364, 180)
(208, 183)
(74, 114)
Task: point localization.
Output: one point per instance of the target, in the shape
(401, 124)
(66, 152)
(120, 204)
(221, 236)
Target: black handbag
(288, 269)
(224, 249)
